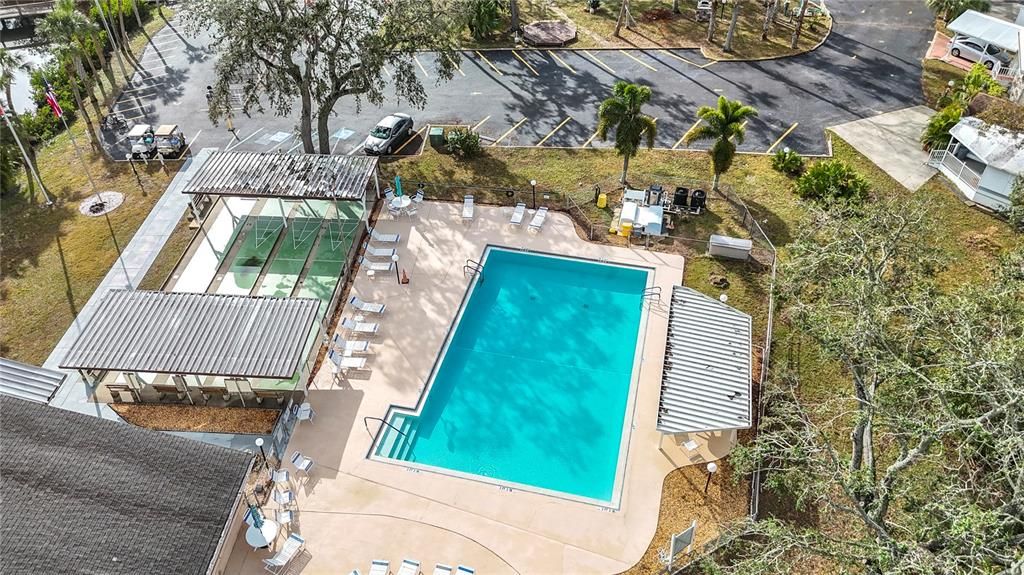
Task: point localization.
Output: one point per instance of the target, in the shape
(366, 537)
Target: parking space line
(130, 108)
(193, 140)
(141, 88)
(527, 64)
(510, 130)
(782, 137)
(457, 67)
(590, 139)
(480, 123)
(420, 65)
(552, 132)
(298, 138)
(411, 138)
(687, 132)
(484, 58)
(561, 61)
(149, 76)
(638, 61)
(680, 58)
(708, 64)
(599, 62)
(353, 151)
(242, 141)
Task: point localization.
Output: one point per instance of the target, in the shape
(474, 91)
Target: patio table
(401, 202)
(263, 537)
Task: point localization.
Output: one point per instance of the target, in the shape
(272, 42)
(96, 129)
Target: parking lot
(549, 98)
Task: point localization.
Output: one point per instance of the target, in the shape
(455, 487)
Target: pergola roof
(195, 333)
(1005, 35)
(706, 382)
(287, 176)
(28, 381)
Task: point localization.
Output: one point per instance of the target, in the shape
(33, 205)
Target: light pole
(712, 468)
(398, 278)
(949, 86)
(259, 443)
(533, 184)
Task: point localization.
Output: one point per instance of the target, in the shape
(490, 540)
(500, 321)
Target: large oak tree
(317, 52)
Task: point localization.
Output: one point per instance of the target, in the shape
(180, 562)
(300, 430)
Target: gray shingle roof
(195, 333)
(28, 381)
(288, 176)
(86, 495)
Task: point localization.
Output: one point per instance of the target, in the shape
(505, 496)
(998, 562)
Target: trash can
(436, 136)
(602, 200)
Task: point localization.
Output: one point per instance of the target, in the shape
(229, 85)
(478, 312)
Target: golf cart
(167, 140)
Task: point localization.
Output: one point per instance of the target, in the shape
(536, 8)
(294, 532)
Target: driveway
(869, 65)
(892, 142)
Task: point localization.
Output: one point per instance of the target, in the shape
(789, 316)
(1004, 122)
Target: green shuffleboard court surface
(284, 270)
(252, 255)
(325, 270)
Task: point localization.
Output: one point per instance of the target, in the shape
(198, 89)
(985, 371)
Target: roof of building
(995, 31)
(288, 176)
(28, 381)
(706, 381)
(195, 333)
(88, 495)
(997, 146)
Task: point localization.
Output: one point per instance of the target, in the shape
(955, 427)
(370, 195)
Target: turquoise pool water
(534, 384)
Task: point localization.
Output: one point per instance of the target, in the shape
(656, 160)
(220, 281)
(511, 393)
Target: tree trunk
(79, 72)
(102, 58)
(621, 18)
(625, 169)
(736, 6)
(306, 119)
(675, 6)
(94, 78)
(90, 128)
(712, 21)
(514, 13)
(714, 181)
(124, 33)
(769, 18)
(323, 130)
(10, 101)
(799, 24)
(138, 17)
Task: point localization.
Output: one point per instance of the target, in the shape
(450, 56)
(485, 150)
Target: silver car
(976, 51)
(388, 134)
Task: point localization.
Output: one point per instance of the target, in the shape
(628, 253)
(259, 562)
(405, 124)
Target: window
(381, 132)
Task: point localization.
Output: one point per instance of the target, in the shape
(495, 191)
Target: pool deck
(351, 509)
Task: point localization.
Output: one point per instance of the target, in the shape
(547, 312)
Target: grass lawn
(53, 258)
(935, 77)
(658, 27)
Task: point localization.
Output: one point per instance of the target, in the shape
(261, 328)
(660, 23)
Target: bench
(116, 390)
(261, 395)
(208, 390)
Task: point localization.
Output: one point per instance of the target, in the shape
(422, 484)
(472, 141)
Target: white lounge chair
(284, 496)
(366, 307)
(343, 345)
(442, 569)
(284, 516)
(280, 476)
(292, 547)
(538, 219)
(379, 252)
(467, 208)
(376, 266)
(301, 462)
(361, 327)
(517, 216)
(463, 570)
(384, 238)
(379, 567)
(346, 362)
(409, 567)
(412, 210)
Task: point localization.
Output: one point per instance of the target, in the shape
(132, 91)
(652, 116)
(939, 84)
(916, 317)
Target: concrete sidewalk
(892, 142)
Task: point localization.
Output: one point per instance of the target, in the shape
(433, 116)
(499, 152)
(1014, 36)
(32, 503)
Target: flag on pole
(51, 99)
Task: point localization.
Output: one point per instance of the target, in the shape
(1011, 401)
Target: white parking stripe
(132, 108)
(192, 141)
(244, 140)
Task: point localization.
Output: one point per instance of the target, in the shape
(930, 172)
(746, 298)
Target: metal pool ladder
(653, 293)
(473, 268)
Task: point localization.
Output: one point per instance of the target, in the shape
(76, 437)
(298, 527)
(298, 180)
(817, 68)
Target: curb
(828, 34)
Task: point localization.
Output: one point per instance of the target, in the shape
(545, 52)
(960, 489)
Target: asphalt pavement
(869, 65)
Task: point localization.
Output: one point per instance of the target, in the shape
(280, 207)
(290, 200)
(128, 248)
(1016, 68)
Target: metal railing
(958, 169)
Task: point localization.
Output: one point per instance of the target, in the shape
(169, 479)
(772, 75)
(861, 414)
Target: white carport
(991, 31)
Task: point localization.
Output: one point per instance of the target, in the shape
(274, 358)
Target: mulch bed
(198, 418)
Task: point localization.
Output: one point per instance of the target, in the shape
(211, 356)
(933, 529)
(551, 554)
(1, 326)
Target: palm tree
(799, 24)
(622, 113)
(726, 125)
(770, 9)
(68, 28)
(10, 62)
(951, 9)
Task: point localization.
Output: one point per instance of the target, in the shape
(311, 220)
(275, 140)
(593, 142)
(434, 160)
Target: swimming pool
(533, 383)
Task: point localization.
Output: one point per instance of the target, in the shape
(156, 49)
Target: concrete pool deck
(351, 509)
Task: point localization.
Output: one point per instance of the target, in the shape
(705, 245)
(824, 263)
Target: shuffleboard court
(325, 270)
(212, 244)
(261, 235)
(284, 270)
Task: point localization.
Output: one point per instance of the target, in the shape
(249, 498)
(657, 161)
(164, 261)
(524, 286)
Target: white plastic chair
(517, 215)
(306, 412)
(467, 208)
(292, 546)
(361, 327)
(442, 569)
(409, 567)
(463, 570)
(379, 567)
(384, 238)
(284, 516)
(302, 463)
(284, 496)
(280, 476)
(366, 307)
(418, 197)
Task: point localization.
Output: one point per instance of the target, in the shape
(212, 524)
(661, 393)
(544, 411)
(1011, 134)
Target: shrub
(484, 17)
(978, 80)
(42, 124)
(832, 181)
(788, 162)
(463, 143)
(1015, 213)
(936, 133)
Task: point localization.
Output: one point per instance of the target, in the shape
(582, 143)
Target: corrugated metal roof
(997, 146)
(706, 382)
(1001, 33)
(276, 175)
(195, 333)
(28, 381)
